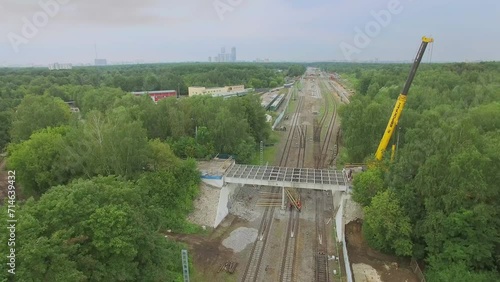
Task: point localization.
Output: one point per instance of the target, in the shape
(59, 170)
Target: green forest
(96, 189)
(86, 84)
(438, 201)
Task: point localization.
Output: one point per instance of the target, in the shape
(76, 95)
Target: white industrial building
(57, 66)
(217, 91)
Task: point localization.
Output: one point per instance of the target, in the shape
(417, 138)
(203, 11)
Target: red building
(157, 95)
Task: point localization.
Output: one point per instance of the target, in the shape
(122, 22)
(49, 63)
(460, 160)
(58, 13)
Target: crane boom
(400, 103)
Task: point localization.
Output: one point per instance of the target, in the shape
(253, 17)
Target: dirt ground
(209, 254)
(364, 260)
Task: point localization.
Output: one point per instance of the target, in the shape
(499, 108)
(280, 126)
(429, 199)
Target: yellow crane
(400, 103)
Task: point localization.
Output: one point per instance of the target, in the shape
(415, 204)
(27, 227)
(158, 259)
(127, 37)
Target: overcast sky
(281, 30)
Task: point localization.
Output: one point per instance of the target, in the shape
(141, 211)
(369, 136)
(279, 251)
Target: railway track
(288, 257)
(328, 137)
(302, 130)
(321, 252)
(321, 255)
(289, 253)
(321, 154)
(254, 268)
(291, 133)
(321, 160)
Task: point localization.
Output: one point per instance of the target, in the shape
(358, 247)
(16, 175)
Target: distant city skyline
(224, 57)
(48, 31)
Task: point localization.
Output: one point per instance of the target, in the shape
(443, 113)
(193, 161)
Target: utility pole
(261, 152)
(185, 265)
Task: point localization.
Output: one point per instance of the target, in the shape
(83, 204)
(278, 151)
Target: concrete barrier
(213, 180)
(340, 224)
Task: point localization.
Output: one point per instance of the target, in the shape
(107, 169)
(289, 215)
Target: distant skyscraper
(233, 54)
(224, 57)
(100, 62)
(209, 59)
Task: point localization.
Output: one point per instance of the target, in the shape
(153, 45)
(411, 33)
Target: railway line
(285, 270)
(321, 255)
(321, 244)
(328, 137)
(322, 154)
(294, 128)
(289, 252)
(253, 269)
(302, 133)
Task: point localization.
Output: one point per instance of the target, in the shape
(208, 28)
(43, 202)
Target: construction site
(293, 219)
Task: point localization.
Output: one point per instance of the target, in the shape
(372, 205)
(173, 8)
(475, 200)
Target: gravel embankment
(240, 238)
(353, 211)
(243, 204)
(205, 206)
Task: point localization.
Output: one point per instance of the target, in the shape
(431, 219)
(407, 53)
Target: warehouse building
(157, 95)
(217, 91)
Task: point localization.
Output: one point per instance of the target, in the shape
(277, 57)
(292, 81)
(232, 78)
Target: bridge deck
(307, 178)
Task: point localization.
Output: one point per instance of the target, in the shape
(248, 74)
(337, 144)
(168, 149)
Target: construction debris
(228, 267)
(294, 198)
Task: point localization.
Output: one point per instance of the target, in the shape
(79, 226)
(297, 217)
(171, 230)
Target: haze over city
(281, 30)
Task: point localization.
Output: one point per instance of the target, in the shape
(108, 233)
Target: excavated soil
(372, 266)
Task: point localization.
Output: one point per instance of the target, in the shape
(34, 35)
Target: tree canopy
(444, 179)
(38, 112)
(95, 230)
(104, 182)
(98, 88)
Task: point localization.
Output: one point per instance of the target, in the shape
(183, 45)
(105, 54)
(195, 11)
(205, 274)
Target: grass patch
(292, 106)
(350, 81)
(269, 152)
